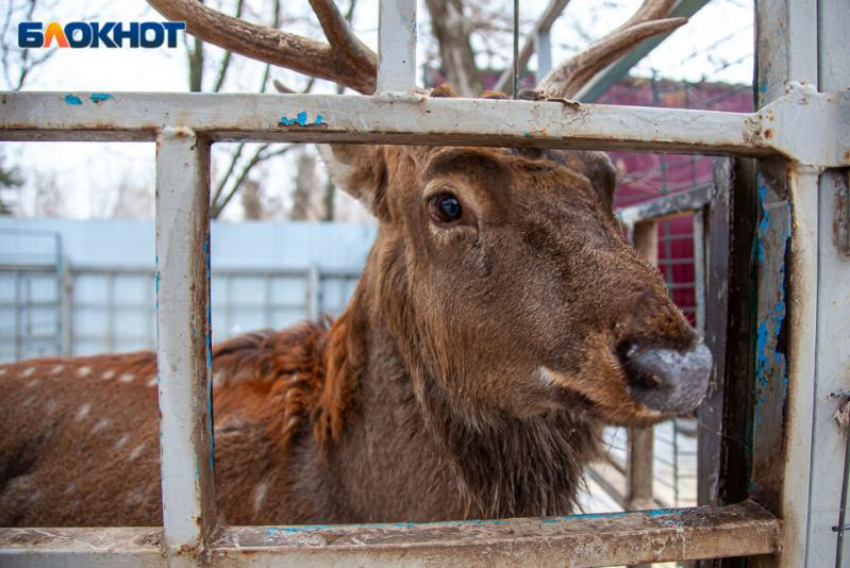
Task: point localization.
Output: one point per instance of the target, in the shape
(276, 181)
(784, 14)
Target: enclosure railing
(630, 483)
(798, 134)
(70, 319)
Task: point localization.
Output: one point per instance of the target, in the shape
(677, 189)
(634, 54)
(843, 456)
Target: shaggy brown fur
(468, 378)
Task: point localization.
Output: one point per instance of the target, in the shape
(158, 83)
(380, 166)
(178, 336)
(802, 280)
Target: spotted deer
(501, 320)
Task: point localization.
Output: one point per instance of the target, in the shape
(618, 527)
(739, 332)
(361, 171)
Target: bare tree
(305, 198)
(252, 201)
(48, 200)
(134, 199)
(452, 30)
(10, 181)
(211, 76)
(19, 64)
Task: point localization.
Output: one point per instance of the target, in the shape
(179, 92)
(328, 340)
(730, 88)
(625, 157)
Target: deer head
(502, 274)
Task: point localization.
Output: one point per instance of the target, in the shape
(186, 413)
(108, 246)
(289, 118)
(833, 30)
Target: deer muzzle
(667, 380)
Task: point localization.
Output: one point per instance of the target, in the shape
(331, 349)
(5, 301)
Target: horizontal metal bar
(588, 540)
(271, 272)
(9, 267)
(405, 118)
(391, 119)
(667, 206)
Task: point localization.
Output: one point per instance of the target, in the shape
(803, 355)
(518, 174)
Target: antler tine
(568, 78)
(338, 32)
(649, 10)
(346, 61)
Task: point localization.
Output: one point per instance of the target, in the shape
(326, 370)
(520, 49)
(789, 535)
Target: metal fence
(799, 286)
(59, 298)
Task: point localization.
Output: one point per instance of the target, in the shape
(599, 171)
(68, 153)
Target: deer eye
(445, 208)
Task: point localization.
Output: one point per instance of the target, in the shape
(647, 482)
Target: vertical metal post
(543, 48)
(111, 314)
(19, 303)
(786, 263)
(639, 468)
(727, 253)
(699, 267)
(397, 45)
(832, 372)
(267, 300)
(150, 312)
(184, 357)
(59, 268)
(640, 449)
(67, 311)
(313, 287)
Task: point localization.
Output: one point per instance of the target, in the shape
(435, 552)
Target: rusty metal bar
(576, 541)
(639, 469)
(415, 119)
(184, 352)
(779, 443)
(667, 206)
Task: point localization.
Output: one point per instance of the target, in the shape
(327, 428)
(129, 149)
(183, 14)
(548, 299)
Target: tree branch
(228, 55)
(356, 69)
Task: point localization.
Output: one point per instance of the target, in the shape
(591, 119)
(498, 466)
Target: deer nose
(667, 380)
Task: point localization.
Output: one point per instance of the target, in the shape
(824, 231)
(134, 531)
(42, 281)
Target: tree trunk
(456, 55)
(307, 189)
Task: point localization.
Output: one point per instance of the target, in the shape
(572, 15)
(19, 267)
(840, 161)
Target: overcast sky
(716, 45)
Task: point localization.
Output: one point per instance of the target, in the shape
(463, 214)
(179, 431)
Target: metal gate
(801, 139)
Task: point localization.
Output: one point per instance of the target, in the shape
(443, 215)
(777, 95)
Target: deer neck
(494, 465)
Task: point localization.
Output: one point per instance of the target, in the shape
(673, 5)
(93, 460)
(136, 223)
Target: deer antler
(568, 78)
(345, 60)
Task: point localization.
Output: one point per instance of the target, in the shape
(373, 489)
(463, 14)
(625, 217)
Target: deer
(501, 320)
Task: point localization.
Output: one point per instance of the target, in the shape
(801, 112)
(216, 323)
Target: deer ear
(360, 171)
(598, 169)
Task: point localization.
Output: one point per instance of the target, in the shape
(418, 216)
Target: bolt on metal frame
(796, 136)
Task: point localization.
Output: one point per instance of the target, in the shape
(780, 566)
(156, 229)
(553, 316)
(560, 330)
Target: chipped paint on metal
(770, 363)
(98, 98)
(73, 100)
(301, 119)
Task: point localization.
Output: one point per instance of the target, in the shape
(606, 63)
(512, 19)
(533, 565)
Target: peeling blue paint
(770, 363)
(301, 119)
(73, 100)
(98, 98)
(658, 512)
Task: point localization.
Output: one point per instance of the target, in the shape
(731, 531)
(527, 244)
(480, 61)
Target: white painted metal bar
(442, 121)
(396, 46)
(184, 357)
(576, 541)
(832, 374)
